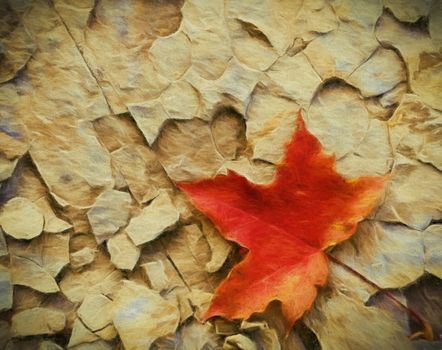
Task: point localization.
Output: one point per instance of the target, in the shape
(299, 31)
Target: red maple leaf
(285, 225)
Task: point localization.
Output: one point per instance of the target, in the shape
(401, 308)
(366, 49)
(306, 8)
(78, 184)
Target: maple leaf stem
(427, 331)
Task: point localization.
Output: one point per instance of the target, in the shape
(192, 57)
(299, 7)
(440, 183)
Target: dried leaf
(109, 212)
(21, 219)
(420, 54)
(415, 131)
(82, 257)
(37, 321)
(28, 273)
(186, 150)
(95, 311)
(390, 255)
(195, 335)
(242, 209)
(404, 204)
(123, 252)
(339, 118)
(80, 335)
(296, 78)
(142, 315)
(366, 328)
(98, 277)
(159, 216)
(270, 123)
(379, 74)
(339, 52)
(74, 175)
(239, 341)
(141, 170)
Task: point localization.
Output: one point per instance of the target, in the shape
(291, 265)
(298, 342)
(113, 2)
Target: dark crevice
(9, 187)
(421, 25)
(255, 32)
(92, 19)
(307, 336)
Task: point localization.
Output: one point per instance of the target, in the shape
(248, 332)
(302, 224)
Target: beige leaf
(56, 57)
(36, 321)
(95, 311)
(123, 252)
(270, 21)
(198, 336)
(107, 333)
(74, 165)
(141, 170)
(373, 156)
(404, 203)
(190, 253)
(338, 118)
(53, 224)
(434, 25)
(82, 257)
(49, 345)
(171, 55)
(415, 131)
(21, 219)
(203, 23)
(109, 212)
(394, 96)
(420, 54)
(340, 52)
(379, 74)
(256, 171)
(249, 45)
(159, 216)
(96, 345)
(296, 78)
(49, 251)
(80, 335)
(26, 272)
(239, 341)
(366, 328)
(13, 138)
(142, 315)
(359, 13)
(27, 298)
(390, 255)
(220, 248)
(230, 90)
(100, 277)
(267, 335)
(186, 150)
(270, 124)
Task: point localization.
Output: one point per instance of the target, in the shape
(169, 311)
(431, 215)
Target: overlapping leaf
(285, 225)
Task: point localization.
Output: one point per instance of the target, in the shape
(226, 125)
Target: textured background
(105, 103)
